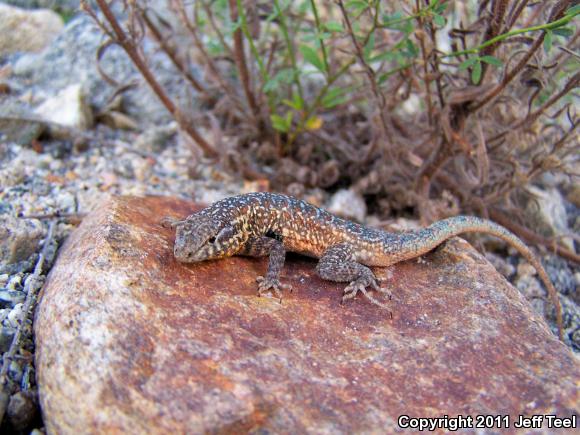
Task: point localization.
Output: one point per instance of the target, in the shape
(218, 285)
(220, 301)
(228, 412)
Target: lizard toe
(266, 285)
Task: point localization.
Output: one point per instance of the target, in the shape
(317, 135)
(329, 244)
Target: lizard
(263, 224)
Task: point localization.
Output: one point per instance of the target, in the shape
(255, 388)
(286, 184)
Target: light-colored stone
(130, 341)
(19, 239)
(348, 204)
(546, 212)
(69, 108)
(26, 30)
(70, 59)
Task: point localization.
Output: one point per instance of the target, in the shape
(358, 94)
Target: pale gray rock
(64, 6)
(17, 122)
(19, 239)
(546, 212)
(25, 30)
(71, 59)
(68, 108)
(348, 204)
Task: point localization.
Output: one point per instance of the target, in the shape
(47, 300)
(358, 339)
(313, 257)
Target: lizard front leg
(339, 264)
(260, 247)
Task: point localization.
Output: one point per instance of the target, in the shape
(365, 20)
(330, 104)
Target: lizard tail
(442, 230)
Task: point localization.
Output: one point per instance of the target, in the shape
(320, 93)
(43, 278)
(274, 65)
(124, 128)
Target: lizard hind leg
(338, 264)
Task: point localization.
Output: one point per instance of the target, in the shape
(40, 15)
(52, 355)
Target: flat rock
(130, 341)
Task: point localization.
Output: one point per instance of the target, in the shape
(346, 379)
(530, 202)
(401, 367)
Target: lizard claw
(266, 285)
(360, 285)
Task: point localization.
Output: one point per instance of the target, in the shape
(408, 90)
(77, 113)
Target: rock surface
(24, 30)
(130, 341)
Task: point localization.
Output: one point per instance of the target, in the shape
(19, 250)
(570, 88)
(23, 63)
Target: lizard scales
(269, 224)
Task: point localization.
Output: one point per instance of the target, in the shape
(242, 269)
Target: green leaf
(333, 26)
(270, 85)
(280, 123)
(317, 37)
(574, 10)
(334, 97)
(439, 20)
(467, 63)
(548, 41)
(234, 26)
(311, 56)
(476, 72)
(387, 55)
(411, 50)
(383, 77)
(492, 60)
(368, 48)
(214, 47)
(439, 8)
(387, 19)
(357, 5)
(398, 21)
(284, 76)
(296, 103)
(563, 31)
(288, 119)
(275, 13)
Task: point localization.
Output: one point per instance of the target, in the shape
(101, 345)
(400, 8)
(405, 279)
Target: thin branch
(240, 58)
(217, 29)
(379, 97)
(531, 117)
(209, 61)
(426, 78)
(172, 53)
(131, 49)
(531, 237)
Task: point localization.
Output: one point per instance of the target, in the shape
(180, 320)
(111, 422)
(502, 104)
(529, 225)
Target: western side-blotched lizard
(269, 224)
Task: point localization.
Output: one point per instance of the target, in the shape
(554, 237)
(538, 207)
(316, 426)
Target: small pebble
(22, 410)
(15, 282)
(11, 297)
(348, 204)
(6, 336)
(15, 372)
(16, 315)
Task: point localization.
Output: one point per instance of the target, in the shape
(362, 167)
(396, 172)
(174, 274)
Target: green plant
(435, 105)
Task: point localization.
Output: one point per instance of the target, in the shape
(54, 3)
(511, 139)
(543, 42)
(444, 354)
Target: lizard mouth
(184, 255)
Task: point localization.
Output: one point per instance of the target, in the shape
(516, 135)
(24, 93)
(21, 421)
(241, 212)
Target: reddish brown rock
(130, 341)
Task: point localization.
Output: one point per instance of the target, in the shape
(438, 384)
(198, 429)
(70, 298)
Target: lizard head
(201, 237)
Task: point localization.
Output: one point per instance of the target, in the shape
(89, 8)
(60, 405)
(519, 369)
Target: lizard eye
(211, 240)
(225, 234)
